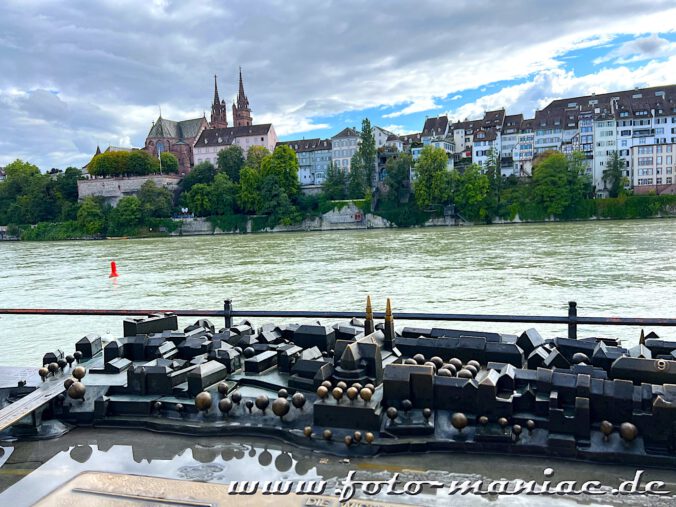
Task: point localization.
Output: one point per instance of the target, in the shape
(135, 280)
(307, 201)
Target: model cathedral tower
(241, 113)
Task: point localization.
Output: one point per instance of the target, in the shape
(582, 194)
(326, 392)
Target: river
(625, 268)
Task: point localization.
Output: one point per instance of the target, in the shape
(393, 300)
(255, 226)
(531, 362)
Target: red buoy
(113, 270)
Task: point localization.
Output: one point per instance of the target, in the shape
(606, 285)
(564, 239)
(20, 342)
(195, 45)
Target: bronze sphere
(606, 428)
(79, 372)
(369, 437)
(430, 363)
(410, 361)
(307, 431)
(222, 388)
(444, 372)
(327, 434)
(348, 440)
(337, 393)
(503, 422)
(465, 373)
(298, 400)
(179, 407)
(370, 387)
(406, 405)
(455, 362)
(474, 363)
(225, 405)
(281, 407)
(62, 363)
(342, 385)
(357, 386)
(628, 431)
(459, 421)
(262, 402)
(77, 391)
(427, 413)
(365, 394)
(53, 368)
(322, 392)
(282, 393)
(392, 413)
(419, 358)
(236, 397)
(483, 420)
(473, 369)
(516, 429)
(43, 372)
(530, 424)
(327, 384)
(249, 405)
(70, 359)
(356, 437)
(203, 401)
(352, 393)
(581, 358)
(77, 355)
(438, 362)
(68, 382)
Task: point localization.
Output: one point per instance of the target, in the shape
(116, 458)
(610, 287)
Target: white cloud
(418, 106)
(557, 83)
(644, 48)
(400, 130)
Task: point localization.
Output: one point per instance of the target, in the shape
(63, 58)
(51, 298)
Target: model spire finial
(388, 311)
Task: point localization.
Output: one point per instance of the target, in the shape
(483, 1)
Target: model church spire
(241, 113)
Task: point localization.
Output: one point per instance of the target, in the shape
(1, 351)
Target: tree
(156, 202)
(357, 185)
(204, 172)
(335, 184)
(116, 163)
(169, 163)
(495, 184)
(27, 196)
(255, 156)
(90, 217)
(284, 165)
(471, 193)
(275, 202)
(367, 150)
(231, 161)
(223, 195)
(249, 196)
(550, 183)
(199, 200)
(125, 217)
(398, 176)
(139, 162)
(613, 176)
(432, 184)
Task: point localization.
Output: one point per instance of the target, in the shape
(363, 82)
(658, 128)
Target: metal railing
(228, 312)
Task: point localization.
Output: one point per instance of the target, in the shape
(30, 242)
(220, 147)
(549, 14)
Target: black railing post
(227, 308)
(572, 320)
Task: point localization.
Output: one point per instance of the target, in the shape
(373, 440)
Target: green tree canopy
(223, 195)
(204, 172)
(90, 216)
(199, 199)
(471, 192)
(125, 217)
(231, 161)
(156, 202)
(169, 163)
(613, 175)
(432, 184)
(284, 165)
(398, 176)
(249, 196)
(335, 184)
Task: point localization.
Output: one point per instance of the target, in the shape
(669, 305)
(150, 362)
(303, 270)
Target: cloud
(555, 84)
(419, 106)
(400, 130)
(80, 73)
(644, 48)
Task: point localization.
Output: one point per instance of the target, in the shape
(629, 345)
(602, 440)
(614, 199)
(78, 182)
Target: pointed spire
(641, 339)
(388, 329)
(388, 311)
(216, 99)
(369, 325)
(242, 101)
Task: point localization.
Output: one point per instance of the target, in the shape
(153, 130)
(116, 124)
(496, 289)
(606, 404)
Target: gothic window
(160, 147)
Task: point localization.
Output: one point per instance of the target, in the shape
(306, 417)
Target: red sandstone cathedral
(179, 137)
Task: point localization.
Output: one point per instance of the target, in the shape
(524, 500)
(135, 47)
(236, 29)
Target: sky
(79, 74)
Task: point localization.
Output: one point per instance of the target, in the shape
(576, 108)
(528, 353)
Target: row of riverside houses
(639, 124)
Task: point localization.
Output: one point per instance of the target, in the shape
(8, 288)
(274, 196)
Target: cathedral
(241, 113)
(180, 138)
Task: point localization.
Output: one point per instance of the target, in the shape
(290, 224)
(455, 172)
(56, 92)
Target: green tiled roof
(176, 129)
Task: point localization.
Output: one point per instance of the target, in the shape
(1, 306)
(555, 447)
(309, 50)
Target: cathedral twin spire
(241, 113)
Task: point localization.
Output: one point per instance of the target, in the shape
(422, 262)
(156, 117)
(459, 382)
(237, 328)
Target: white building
(314, 159)
(653, 166)
(343, 146)
(211, 141)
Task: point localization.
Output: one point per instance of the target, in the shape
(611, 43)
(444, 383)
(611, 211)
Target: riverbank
(350, 216)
